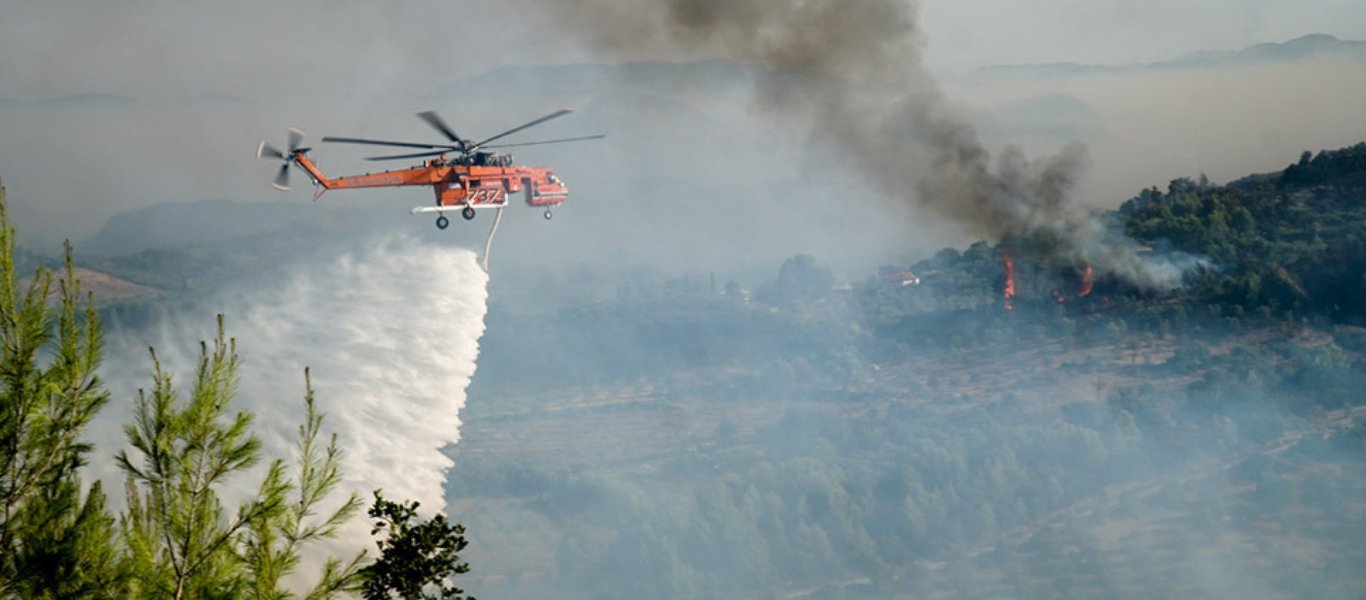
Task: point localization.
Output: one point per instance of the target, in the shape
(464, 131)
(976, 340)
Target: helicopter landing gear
(468, 213)
(442, 222)
(548, 215)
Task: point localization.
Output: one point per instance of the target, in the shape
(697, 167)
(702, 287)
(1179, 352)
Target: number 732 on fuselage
(463, 175)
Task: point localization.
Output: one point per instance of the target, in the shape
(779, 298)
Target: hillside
(201, 223)
(688, 439)
(106, 288)
(174, 254)
(667, 435)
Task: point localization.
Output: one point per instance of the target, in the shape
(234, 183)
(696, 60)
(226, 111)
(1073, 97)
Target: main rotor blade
(555, 115)
(435, 121)
(282, 178)
(417, 155)
(573, 139)
(349, 140)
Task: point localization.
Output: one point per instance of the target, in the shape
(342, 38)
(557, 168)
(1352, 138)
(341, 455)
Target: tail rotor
(266, 150)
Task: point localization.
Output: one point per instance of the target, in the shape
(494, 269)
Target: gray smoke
(853, 72)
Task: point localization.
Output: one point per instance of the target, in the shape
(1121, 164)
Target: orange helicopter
(473, 178)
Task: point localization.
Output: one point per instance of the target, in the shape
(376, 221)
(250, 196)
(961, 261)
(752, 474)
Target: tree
(733, 293)
(271, 545)
(179, 541)
(53, 543)
(800, 279)
(175, 539)
(415, 555)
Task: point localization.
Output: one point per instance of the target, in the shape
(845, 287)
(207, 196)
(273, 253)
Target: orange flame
(1009, 293)
(1087, 283)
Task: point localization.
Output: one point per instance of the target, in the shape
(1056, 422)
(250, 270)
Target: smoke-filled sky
(207, 81)
(254, 48)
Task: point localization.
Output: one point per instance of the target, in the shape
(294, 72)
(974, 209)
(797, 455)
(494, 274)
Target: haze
(182, 93)
(830, 312)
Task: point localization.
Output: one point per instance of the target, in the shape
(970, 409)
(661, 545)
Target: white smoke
(391, 334)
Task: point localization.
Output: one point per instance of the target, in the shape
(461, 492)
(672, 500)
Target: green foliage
(53, 543)
(1294, 244)
(414, 556)
(1285, 245)
(271, 545)
(178, 534)
(1326, 166)
(181, 542)
(72, 552)
(175, 538)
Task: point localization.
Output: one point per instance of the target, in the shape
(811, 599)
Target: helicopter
(471, 178)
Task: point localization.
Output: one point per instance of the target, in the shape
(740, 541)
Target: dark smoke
(853, 72)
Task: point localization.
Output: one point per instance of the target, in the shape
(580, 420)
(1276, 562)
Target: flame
(1087, 283)
(1008, 294)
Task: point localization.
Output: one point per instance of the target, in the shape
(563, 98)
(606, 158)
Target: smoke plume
(853, 72)
(391, 335)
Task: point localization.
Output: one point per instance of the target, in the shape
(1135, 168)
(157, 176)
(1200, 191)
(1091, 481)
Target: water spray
(391, 335)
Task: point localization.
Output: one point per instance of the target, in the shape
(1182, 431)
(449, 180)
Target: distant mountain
(1308, 47)
(180, 224)
(1303, 48)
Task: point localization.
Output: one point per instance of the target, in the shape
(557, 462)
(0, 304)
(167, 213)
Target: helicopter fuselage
(458, 184)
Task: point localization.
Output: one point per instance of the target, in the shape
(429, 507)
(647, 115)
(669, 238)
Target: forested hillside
(908, 435)
(1290, 243)
(916, 432)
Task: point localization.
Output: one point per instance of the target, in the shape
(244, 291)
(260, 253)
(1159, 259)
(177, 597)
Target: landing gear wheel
(442, 222)
(549, 215)
(468, 213)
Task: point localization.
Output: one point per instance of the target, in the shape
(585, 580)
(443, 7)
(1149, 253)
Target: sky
(210, 80)
(157, 48)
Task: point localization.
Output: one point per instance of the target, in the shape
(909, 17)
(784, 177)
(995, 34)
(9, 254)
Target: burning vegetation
(1065, 283)
(853, 74)
(1008, 295)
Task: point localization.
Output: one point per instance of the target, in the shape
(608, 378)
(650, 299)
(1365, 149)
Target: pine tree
(271, 545)
(53, 542)
(180, 542)
(175, 539)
